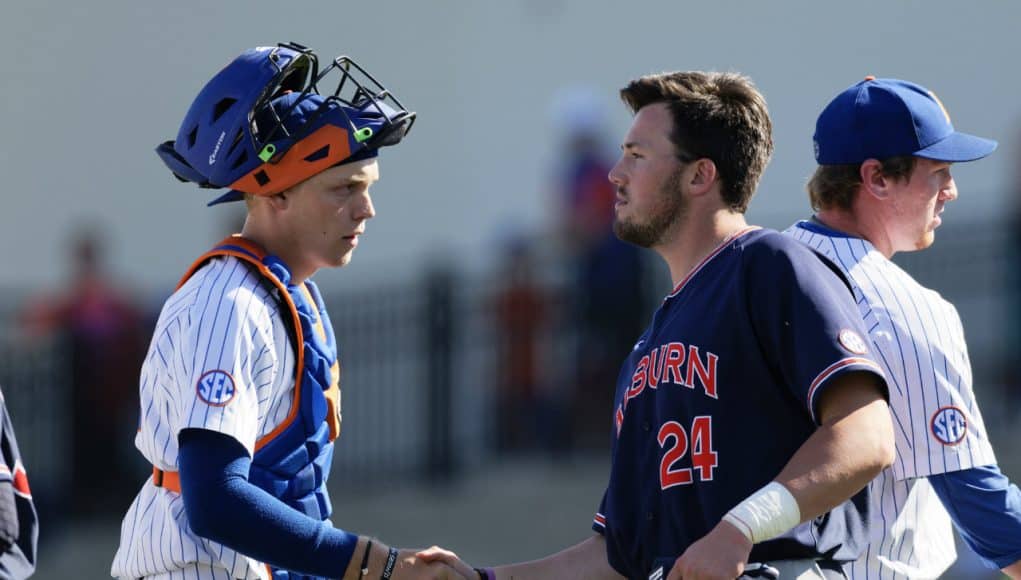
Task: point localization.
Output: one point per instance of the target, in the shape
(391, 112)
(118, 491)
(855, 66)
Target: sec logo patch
(949, 425)
(216, 388)
(852, 341)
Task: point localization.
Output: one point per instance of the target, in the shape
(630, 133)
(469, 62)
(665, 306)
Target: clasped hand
(439, 557)
(433, 563)
(719, 555)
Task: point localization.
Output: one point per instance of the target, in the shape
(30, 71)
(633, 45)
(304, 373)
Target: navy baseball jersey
(19, 524)
(718, 394)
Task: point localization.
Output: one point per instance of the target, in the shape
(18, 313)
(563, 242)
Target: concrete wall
(90, 88)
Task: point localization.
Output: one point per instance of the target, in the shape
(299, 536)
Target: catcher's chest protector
(293, 461)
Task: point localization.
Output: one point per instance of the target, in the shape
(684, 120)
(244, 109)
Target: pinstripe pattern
(223, 318)
(919, 340)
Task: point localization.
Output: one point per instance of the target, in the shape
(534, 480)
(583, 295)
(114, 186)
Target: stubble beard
(671, 207)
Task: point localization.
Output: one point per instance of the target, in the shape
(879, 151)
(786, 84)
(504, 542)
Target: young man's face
(916, 204)
(326, 213)
(648, 180)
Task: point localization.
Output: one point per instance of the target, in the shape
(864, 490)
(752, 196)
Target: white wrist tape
(766, 513)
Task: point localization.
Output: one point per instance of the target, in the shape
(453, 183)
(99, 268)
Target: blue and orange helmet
(262, 125)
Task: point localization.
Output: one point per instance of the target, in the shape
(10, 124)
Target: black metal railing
(421, 357)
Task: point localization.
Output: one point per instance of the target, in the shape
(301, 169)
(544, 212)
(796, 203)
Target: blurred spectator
(528, 412)
(607, 305)
(586, 195)
(102, 329)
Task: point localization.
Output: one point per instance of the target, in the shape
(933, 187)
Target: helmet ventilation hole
(318, 154)
(222, 107)
(237, 141)
(242, 158)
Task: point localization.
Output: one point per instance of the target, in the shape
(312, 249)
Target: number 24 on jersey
(703, 458)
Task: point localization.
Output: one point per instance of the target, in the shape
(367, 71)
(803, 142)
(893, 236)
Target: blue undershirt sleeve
(224, 507)
(986, 509)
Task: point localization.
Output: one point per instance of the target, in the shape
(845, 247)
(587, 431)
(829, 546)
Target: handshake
(435, 563)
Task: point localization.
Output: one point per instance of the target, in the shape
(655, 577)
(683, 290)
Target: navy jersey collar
(680, 285)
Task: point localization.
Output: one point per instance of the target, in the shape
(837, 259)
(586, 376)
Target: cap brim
(958, 147)
(231, 195)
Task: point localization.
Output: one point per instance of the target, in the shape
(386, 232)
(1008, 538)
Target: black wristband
(364, 570)
(391, 561)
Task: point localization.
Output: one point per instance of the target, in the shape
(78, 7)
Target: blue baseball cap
(883, 118)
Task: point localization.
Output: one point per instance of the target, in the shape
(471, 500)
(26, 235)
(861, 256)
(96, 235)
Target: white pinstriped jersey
(919, 340)
(223, 319)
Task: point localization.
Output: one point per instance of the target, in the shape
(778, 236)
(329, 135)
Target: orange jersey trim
(169, 480)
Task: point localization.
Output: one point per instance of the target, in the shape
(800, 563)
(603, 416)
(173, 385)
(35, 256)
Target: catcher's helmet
(262, 125)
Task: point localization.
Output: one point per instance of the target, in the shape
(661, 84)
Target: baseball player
(884, 148)
(240, 394)
(19, 525)
(750, 414)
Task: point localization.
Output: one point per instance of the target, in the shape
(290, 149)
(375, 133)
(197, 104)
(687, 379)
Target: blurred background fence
(450, 374)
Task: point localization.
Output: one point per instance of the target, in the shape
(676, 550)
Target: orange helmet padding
(295, 166)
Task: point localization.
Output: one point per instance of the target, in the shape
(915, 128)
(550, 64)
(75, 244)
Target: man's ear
(873, 180)
(702, 175)
(279, 201)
